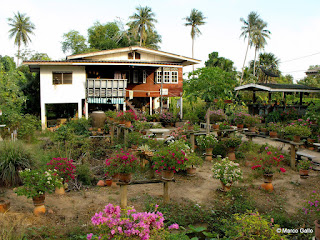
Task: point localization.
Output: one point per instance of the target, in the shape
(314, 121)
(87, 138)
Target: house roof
(272, 87)
(185, 61)
(313, 71)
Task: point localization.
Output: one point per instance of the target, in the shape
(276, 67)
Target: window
(137, 55)
(130, 55)
(166, 77)
(174, 77)
(61, 78)
(144, 76)
(135, 76)
(169, 77)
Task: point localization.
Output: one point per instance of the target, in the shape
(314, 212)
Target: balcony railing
(106, 88)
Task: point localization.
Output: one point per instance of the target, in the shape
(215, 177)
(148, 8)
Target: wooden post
(123, 196)
(166, 198)
(112, 134)
(301, 94)
(208, 122)
(269, 97)
(293, 156)
(125, 138)
(192, 140)
(118, 132)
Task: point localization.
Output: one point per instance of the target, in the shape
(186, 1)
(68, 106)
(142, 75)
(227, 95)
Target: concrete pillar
(43, 116)
(124, 106)
(150, 105)
(181, 108)
(80, 109)
(86, 108)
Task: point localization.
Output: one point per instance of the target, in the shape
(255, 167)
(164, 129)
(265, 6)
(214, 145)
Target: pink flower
(174, 226)
(282, 170)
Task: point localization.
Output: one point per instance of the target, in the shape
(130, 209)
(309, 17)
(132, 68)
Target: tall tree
(221, 62)
(74, 42)
(22, 27)
(247, 29)
(259, 39)
(142, 22)
(268, 64)
(195, 19)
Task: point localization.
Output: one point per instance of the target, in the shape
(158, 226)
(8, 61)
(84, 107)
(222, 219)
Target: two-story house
(111, 77)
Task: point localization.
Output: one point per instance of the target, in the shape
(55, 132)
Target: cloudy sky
(294, 25)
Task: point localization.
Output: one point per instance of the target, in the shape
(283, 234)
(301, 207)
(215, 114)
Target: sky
(294, 26)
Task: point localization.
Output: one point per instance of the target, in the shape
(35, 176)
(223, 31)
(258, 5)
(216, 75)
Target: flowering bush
(274, 127)
(206, 141)
(179, 133)
(128, 115)
(312, 204)
(224, 126)
(113, 223)
(64, 168)
(121, 162)
(304, 165)
(180, 144)
(217, 115)
(169, 158)
(297, 130)
(166, 117)
(267, 161)
(239, 118)
(251, 120)
(233, 141)
(227, 171)
(36, 183)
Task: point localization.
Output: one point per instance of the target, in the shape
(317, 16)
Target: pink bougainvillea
(65, 168)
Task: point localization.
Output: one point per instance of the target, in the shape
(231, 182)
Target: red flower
(282, 169)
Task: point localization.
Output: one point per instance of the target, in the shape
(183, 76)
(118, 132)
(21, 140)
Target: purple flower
(89, 236)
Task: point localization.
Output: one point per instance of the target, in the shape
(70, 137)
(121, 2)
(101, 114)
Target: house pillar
(80, 109)
(43, 116)
(181, 107)
(301, 94)
(150, 105)
(124, 105)
(86, 107)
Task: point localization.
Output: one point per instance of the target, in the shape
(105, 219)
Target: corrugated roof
(273, 87)
(99, 61)
(287, 86)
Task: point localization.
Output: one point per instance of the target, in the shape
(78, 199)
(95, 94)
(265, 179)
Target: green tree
(21, 28)
(259, 39)
(142, 23)
(106, 36)
(194, 20)
(247, 29)
(209, 84)
(74, 43)
(221, 62)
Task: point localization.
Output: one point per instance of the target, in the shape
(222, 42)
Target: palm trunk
(18, 55)
(245, 58)
(192, 52)
(254, 63)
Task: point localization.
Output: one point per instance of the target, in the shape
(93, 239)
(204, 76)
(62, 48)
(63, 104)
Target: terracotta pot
(317, 229)
(190, 128)
(38, 203)
(101, 183)
(310, 140)
(215, 126)
(191, 171)
(240, 126)
(208, 154)
(273, 134)
(268, 178)
(267, 186)
(60, 190)
(108, 182)
(231, 153)
(252, 129)
(116, 176)
(4, 206)
(225, 188)
(125, 177)
(304, 173)
(122, 122)
(127, 124)
(167, 174)
(296, 138)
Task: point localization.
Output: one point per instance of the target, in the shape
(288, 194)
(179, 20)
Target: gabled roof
(313, 71)
(185, 61)
(272, 87)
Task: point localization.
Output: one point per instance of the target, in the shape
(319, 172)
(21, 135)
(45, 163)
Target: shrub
(13, 158)
(233, 141)
(217, 115)
(135, 138)
(79, 126)
(169, 158)
(251, 120)
(28, 125)
(297, 130)
(226, 171)
(206, 141)
(84, 174)
(121, 162)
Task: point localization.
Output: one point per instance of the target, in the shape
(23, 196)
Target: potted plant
(111, 115)
(266, 163)
(273, 129)
(224, 126)
(297, 131)
(167, 118)
(207, 142)
(228, 172)
(232, 143)
(65, 169)
(239, 119)
(123, 163)
(217, 116)
(35, 184)
(304, 166)
(168, 160)
(251, 121)
(194, 161)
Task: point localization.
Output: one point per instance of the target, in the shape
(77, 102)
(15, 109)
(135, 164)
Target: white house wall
(63, 93)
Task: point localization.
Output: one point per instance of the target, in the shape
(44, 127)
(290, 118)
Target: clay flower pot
(167, 174)
(252, 129)
(304, 173)
(128, 124)
(215, 126)
(296, 138)
(38, 203)
(225, 188)
(317, 229)
(273, 134)
(60, 190)
(108, 182)
(191, 171)
(4, 206)
(267, 185)
(240, 126)
(101, 183)
(208, 154)
(125, 177)
(231, 153)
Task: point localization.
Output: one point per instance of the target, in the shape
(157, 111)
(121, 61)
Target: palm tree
(21, 28)
(194, 20)
(259, 39)
(143, 22)
(268, 62)
(248, 28)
